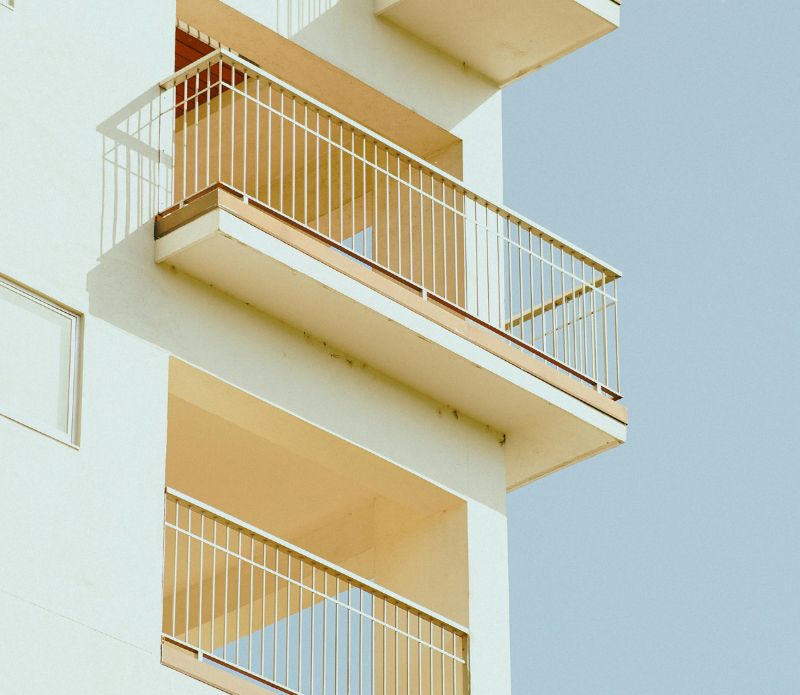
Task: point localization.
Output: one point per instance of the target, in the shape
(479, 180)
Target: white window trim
(69, 437)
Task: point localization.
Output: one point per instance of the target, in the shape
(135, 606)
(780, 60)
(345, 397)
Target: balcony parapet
(276, 615)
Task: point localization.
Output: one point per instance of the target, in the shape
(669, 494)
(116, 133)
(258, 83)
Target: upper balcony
(292, 207)
(504, 40)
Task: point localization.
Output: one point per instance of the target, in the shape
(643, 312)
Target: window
(38, 362)
(7, 3)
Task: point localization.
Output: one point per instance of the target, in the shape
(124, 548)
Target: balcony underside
(504, 40)
(263, 260)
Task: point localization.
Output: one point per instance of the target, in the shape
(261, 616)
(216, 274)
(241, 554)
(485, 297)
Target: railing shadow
(133, 166)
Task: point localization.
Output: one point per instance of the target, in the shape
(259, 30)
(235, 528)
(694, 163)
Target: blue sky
(671, 149)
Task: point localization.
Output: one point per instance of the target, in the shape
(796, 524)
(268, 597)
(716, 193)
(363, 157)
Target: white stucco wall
(81, 577)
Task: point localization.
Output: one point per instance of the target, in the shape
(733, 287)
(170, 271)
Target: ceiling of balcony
(507, 39)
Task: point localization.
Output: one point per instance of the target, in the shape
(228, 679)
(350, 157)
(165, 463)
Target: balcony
(290, 206)
(504, 40)
(243, 609)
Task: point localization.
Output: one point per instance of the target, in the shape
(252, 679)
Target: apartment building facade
(274, 351)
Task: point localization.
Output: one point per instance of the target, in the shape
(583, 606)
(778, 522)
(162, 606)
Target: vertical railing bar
(606, 380)
(388, 216)
(421, 231)
(521, 283)
(336, 639)
(375, 231)
(219, 133)
(313, 606)
(586, 327)
(263, 605)
(258, 137)
(353, 187)
(200, 599)
(618, 383)
(250, 634)
(275, 622)
(330, 182)
(500, 265)
(442, 653)
(288, 611)
(233, 125)
(477, 256)
(188, 565)
(364, 193)
(419, 651)
(373, 649)
(185, 136)
(245, 138)
(213, 583)
(530, 286)
(270, 116)
(399, 221)
(410, 225)
(325, 633)
(300, 631)
(294, 168)
(349, 615)
(341, 189)
(507, 247)
(573, 313)
(238, 597)
(360, 640)
(595, 368)
(208, 126)
(196, 131)
(433, 233)
(383, 654)
(455, 251)
(281, 178)
(305, 163)
(455, 664)
(175, 571)
(564, 320)
(225, 593)
(541, 294)
(316, 172)
(444, 237)
(431, 650)
(408, 612)
(171, 174)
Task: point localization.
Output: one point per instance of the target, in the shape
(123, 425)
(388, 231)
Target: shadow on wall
(127, 289)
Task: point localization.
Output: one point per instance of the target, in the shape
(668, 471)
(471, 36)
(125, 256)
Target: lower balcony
(244, 609)
(298, 562)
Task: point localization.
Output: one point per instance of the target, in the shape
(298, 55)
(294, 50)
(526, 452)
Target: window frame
(7, 410)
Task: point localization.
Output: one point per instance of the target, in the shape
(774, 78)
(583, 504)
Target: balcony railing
(253, 604)
(235, 126)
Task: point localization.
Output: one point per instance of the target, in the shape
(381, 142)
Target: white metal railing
(237, 126)
(247, 601)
